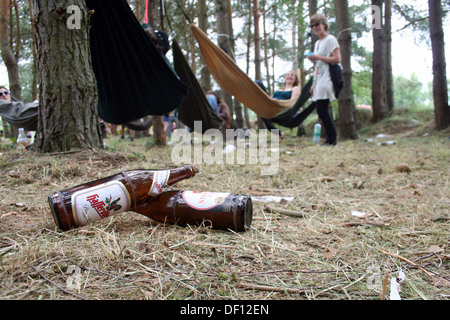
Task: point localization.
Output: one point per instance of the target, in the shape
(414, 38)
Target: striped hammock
(236, 82)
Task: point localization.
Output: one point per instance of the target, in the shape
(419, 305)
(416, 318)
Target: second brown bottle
(225, 211)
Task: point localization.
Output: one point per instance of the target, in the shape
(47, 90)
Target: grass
(328, 253)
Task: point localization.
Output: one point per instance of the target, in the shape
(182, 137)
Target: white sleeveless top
(323, 86)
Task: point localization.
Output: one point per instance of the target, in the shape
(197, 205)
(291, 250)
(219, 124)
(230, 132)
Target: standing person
(130, 131)
(326, 52)
(169, 119)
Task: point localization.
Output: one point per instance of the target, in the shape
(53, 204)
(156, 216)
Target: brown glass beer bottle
(80, 205)
(216, 210)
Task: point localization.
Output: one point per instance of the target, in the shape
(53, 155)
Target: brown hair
(297, 78)
(319, 18)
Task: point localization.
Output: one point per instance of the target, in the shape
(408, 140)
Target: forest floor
(370, 211)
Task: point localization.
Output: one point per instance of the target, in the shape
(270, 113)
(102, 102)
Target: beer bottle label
(204, 200)
(100, 202)
(159, 184)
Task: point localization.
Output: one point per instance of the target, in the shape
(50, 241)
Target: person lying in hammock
(17, 113)
(222, 109)
(290, 90)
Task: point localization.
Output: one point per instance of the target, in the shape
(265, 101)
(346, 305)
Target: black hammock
(195, 107)
(133, 80)
(290, 117)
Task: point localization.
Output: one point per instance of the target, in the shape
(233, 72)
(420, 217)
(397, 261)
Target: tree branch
(56, 285)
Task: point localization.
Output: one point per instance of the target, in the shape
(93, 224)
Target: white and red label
(100, 202)
(159, 184)
(204, 200)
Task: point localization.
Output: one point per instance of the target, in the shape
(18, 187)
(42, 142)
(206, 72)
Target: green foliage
(25, 47)
(278, 15)
(362, 87)
(26, 79)
(410, 92)
(407, 92)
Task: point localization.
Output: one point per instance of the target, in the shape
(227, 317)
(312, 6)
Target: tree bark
(34, 88)
(302, 27)
(236, 110)
(223, 40)
(300, 56)
(10, 58)
(346, 124)
(68, 115)
(388, 74)
(137, 5)
(294, 23)
(205, 80)
(247, 56)
(440, 89)
(158, 123)
(265, 42)
(257, 39)
(378, 93)
(313, 10)
(257, 42)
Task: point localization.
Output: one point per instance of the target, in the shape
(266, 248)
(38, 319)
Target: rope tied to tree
(344, 30)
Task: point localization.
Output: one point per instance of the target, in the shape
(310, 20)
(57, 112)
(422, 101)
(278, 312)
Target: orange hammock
(237, 83)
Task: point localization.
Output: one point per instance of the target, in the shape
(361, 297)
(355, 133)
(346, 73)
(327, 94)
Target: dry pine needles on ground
(360, 213)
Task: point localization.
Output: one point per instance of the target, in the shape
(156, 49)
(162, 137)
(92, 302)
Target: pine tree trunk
(300, 56)
(301, 31)
(205, 80)
(137, 6)
(266, 48)
(388, 74)
(440, 89)
(347, 125)
(237, 117)
(312, 4)
(10, 58)
(68, 117)
(247, 56)
(378, 93)
(257, 41)
(34, 86)
(223, 40)
(158, 123)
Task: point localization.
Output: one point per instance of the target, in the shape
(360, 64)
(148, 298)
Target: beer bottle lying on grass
(142, 191)
(211, 209)
(83, 204)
